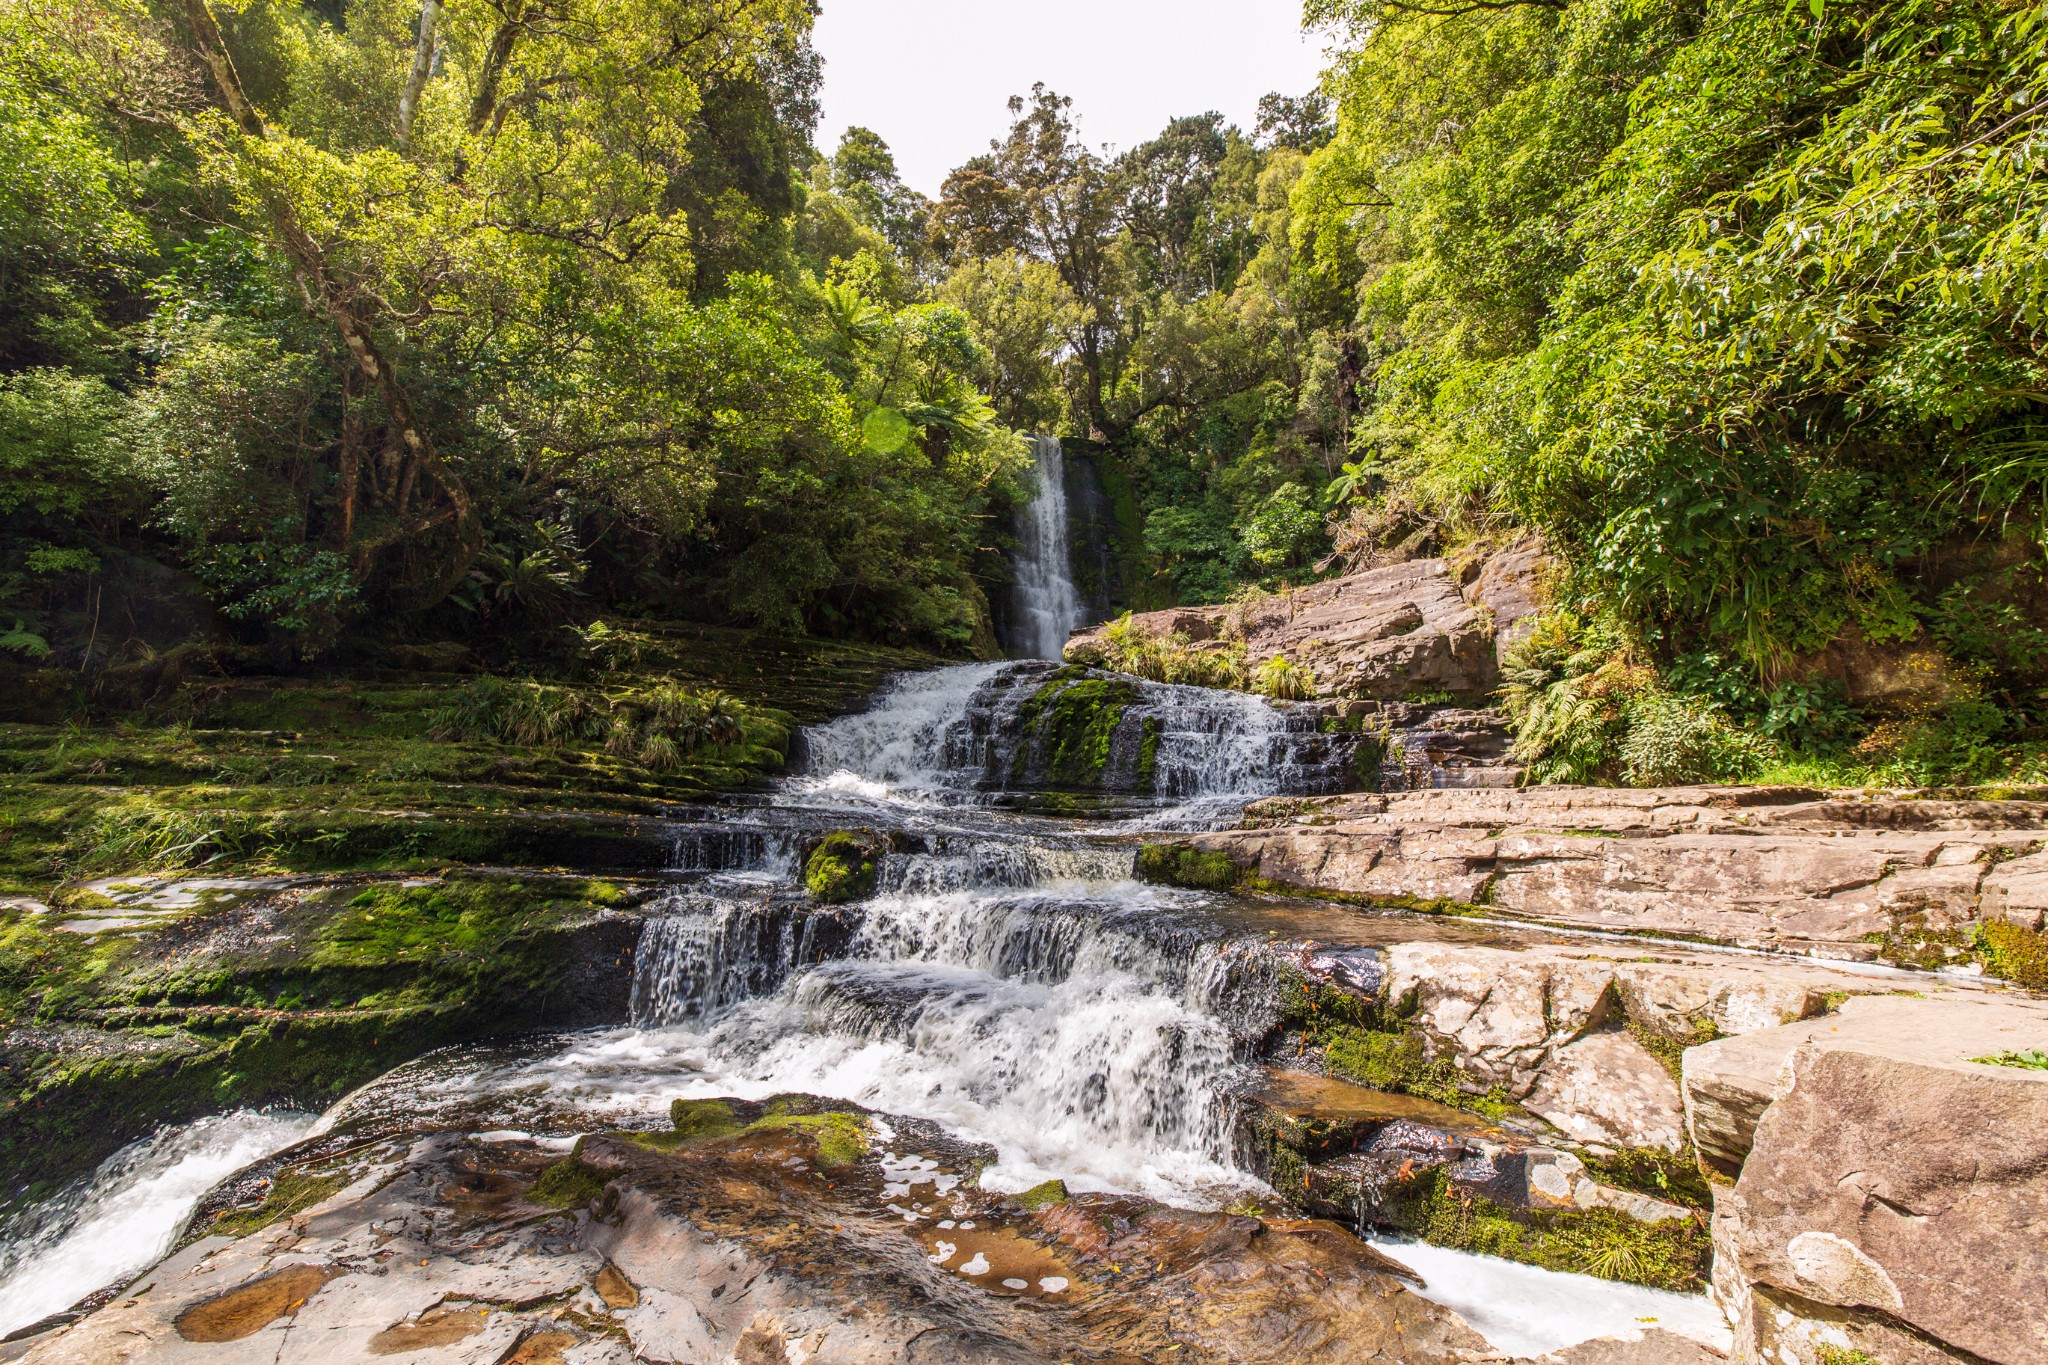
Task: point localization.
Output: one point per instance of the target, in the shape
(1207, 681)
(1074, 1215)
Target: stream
(1009, 980)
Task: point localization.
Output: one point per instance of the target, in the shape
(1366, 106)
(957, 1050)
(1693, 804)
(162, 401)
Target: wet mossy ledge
(287, 995)
(842, 867)
(371, 801)
(1079, 733)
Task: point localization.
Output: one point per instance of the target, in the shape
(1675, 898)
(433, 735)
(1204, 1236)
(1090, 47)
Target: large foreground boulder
(1895, 1198)
(751, 1234)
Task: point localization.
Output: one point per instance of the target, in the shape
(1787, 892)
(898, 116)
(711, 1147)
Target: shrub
(1283, 680)
(1669, 739)
(659, 727)
(1127, 647)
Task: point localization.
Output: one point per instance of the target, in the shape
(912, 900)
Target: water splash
(116, 1222)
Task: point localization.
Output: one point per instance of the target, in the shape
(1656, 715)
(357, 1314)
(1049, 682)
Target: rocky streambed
(905, 1065)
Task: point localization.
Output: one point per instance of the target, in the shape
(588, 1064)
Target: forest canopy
(390, 317)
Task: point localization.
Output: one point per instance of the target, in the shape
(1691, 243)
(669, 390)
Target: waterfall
(1048, 607)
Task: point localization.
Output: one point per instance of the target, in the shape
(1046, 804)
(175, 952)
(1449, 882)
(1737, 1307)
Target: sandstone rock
(1758, 868)
(1729, 1084)
(1657, 1347)
(1388, 633)
(1899, 1186)
(735, 1247)
(1607, 1088)
(1513, 586)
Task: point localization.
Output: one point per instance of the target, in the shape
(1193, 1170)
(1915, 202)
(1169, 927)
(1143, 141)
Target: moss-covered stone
(2018, 955)
(1068, 730)
(700, 1120)
(1048, 1195)
(843, 867)
(841, 1138)
(1184, 865)
(569, 1183)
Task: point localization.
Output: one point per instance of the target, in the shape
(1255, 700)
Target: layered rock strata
(1774, 868)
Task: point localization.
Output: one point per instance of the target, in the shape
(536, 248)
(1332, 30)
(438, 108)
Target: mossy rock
(569, 1183)
(843, 867)
(1051, 1194)
(700, 1120)
(1187, 866)
(1068, 732)
(841, 1138)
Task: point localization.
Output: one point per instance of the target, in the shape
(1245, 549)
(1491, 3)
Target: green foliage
(1127, 647)
(1735, 304)
(2015, 954)
(657, 725)
(842, 868)
(1673, 1255)
(1283, 680)
(2033, 1059)
(1586, 709)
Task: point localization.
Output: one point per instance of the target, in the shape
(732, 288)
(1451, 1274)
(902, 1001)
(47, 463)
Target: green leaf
(885, 431)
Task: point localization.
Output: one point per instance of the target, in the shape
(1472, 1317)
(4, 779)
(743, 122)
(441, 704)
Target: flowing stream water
(1010, 979)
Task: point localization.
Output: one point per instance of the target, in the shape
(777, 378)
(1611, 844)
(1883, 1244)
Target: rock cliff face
(1776, 868)
(1388, 634)
(1895, 1193)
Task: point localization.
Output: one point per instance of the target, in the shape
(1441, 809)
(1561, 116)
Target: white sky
(933, 77)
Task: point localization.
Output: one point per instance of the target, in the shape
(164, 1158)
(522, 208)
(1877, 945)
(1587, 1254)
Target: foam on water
(1524, 1311)
(117, 1221)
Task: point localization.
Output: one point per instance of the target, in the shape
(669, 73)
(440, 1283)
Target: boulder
(1513, 587)
(1896, 1190)
(1388, 634)
(1728, 1085)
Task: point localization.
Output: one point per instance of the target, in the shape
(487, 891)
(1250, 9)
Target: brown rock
(1607, 1088)
(1756, 868)
(1898, 1184)
(1514, 586)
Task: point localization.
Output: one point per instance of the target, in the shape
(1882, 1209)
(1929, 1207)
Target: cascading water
(1048, 606)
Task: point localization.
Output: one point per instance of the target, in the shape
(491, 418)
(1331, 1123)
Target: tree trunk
(309, 264)
(422, 68)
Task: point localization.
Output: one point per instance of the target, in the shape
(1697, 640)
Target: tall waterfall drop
(1048, 607)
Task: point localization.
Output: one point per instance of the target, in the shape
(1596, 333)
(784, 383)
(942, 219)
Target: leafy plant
(2032, 1059)
(1283, 680)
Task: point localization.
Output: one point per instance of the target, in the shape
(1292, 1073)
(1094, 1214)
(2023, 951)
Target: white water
(119, 1220)
(1525, 1311)
(1049, 610)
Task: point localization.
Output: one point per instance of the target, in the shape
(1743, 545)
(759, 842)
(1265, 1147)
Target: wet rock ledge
(782, 1231)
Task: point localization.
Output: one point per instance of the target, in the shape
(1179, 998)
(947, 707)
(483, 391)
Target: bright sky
(933, 77)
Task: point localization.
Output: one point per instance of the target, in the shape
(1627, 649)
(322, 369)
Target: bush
(1668, 739)
(1283, 680)
(1127, 647)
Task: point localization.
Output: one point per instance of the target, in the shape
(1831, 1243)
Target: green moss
(1148, 754)
(1049, 1195)
(291, 1193)
(699, 1120)
(1398, 1062)
(1842, 1355)
(842, 868)
(1185, 865)
(1069, 727)
(841, 1139)
(569, 1183)
(1669, 1051)
(1673, 1255)
(2015, 954)
(1675, 1177)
